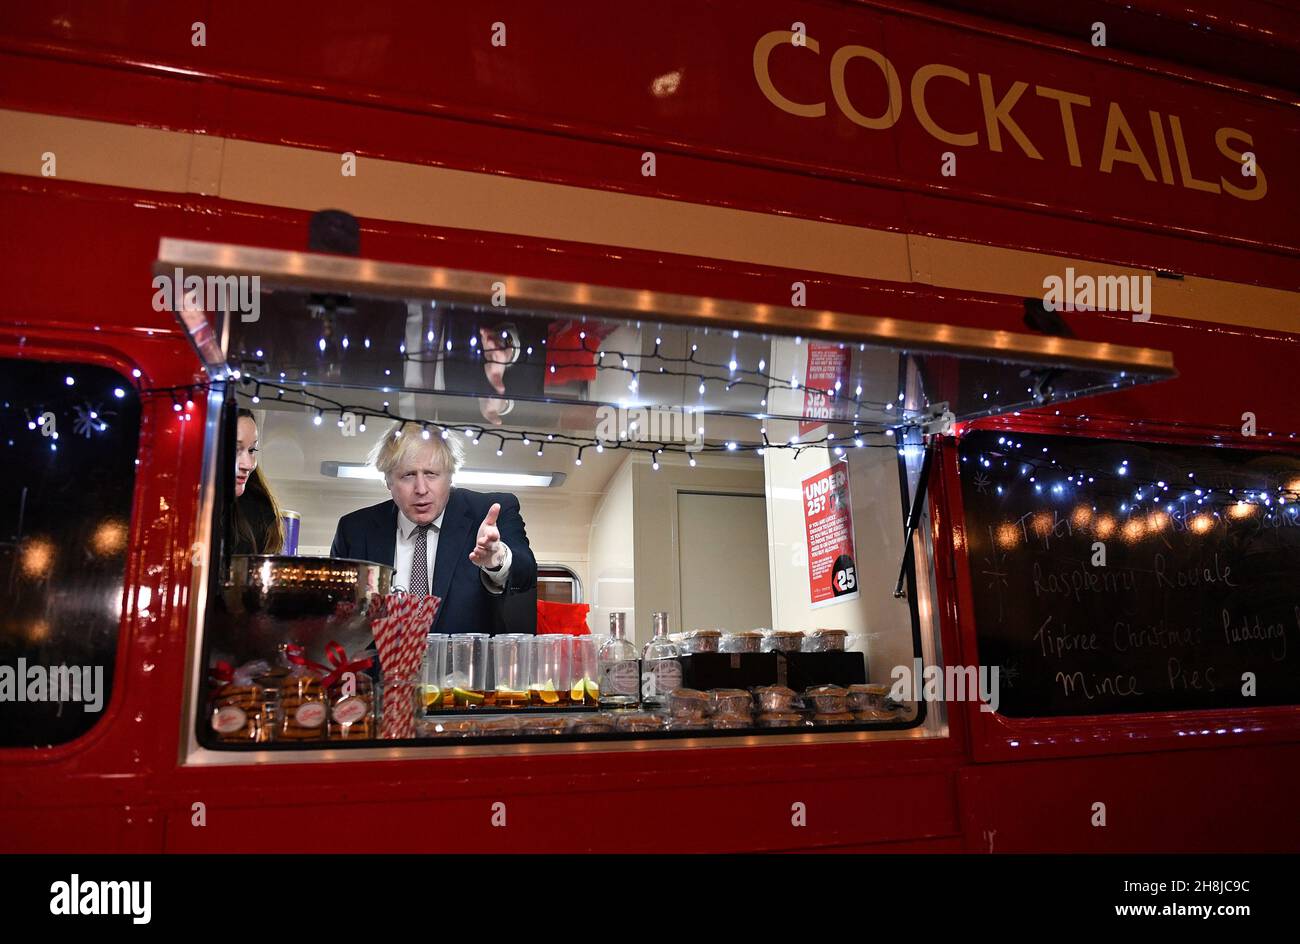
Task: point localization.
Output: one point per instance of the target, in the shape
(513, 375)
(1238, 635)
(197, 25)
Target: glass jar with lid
(702, 640)
(826, 640)
(747, 641)
(783, 640)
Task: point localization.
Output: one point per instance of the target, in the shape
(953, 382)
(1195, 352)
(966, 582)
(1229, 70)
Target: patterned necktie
(420, 561)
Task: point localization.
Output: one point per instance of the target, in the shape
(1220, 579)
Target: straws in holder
(400, 637)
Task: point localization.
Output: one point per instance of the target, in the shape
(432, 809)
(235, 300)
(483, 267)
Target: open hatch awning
(447, 340)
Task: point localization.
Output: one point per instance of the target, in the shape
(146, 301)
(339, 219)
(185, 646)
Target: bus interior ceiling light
(360, 470)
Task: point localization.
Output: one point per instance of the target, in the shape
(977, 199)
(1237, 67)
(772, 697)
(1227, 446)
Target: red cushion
(570, 618)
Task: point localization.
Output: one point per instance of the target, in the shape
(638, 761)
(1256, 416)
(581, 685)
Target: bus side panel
(1205, 800)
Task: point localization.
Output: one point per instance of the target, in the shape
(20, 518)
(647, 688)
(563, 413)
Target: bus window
(1121, 577)
(68, 434)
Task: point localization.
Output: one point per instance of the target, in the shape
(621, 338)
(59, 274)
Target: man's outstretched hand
(498, 353)
(488, 550)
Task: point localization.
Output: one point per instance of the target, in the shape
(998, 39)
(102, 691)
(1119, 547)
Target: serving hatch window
(733, 502)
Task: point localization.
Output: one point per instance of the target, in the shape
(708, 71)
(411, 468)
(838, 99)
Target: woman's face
(246, 451)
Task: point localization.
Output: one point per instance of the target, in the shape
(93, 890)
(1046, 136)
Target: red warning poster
(828, 364)
(828, 519)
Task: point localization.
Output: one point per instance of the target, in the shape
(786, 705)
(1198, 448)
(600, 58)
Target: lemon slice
(593, 690)
(575, 693)
(464, 697)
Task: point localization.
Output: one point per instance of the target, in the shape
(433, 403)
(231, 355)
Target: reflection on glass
(499, 360)
(109, 538)
(38, 557)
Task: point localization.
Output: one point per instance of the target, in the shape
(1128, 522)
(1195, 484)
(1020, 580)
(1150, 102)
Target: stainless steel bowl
(269, 600)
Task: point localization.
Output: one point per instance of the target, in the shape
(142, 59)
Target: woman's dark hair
(256, 517)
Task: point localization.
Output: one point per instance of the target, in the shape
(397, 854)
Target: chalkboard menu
(1114, 576)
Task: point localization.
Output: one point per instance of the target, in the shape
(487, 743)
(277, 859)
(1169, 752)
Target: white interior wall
(877, 623)
(611, 554)
(722, 561)
(656, 533)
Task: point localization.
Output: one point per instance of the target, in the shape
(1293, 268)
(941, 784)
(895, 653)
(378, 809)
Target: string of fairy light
(734, 378)
(183, 405)
(91, 415)
(323, 406)
(1037, 469)
(1138, 494)
(664, 365)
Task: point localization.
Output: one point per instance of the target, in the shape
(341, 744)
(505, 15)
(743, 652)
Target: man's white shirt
(404, 553)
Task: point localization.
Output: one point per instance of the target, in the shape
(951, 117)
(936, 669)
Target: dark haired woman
(256, 527)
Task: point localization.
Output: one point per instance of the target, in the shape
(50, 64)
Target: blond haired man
(469, 548)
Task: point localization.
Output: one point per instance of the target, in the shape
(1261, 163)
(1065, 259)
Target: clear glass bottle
(661, 666)
(620, 670)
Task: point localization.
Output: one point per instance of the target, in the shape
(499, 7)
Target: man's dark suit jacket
(467, 606)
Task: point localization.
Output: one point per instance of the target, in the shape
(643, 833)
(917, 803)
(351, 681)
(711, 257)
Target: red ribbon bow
(221, 674)
(296, 654)
(338, 658)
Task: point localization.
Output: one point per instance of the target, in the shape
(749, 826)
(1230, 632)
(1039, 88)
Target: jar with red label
(352, 709)
(304, 709)
(247, 714)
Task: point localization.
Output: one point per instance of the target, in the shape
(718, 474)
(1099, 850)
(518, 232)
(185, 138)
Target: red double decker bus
(1053, 255)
